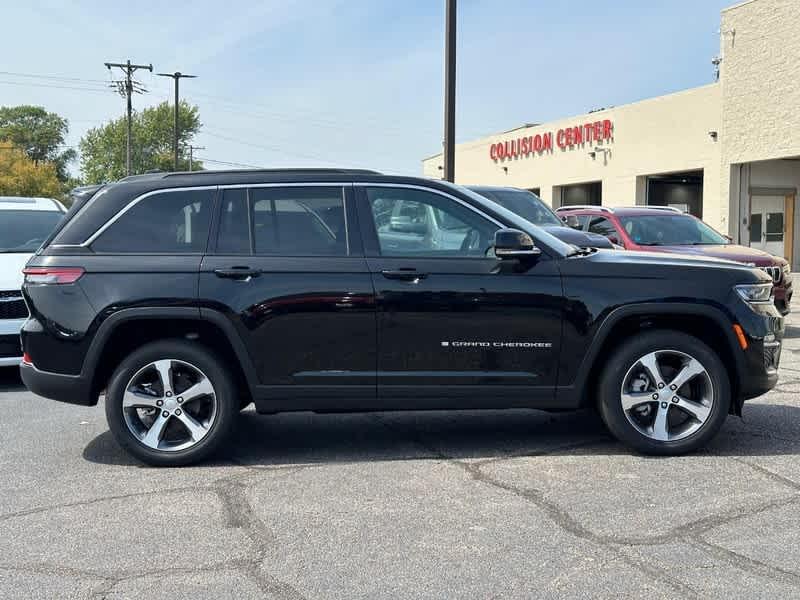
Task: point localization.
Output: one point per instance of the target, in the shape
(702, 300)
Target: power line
(333, 122)
(61, 87)
(55, 77)
(191, 153)
(265, 147)
(228, 163)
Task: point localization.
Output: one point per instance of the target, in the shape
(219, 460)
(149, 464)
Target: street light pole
(450, 92)
(177, 75)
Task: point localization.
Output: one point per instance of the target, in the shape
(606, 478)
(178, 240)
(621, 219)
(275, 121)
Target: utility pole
(191, 153)
(126, 88)
(177, 75)
(450, 92)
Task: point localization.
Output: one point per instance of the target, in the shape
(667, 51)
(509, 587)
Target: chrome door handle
(403, 275)
(240, 273)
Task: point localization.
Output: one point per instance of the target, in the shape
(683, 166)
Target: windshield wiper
(650, 243)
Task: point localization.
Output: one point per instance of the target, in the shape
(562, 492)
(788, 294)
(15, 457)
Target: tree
(103, 148)
(39, 133)
(21, 176)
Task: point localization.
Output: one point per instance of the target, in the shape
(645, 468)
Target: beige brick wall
(760, 83)
(760, 77)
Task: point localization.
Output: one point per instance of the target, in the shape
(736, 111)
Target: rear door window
(283, 221)
(165, 222)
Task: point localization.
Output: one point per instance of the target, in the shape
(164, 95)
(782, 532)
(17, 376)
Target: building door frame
(790, 218)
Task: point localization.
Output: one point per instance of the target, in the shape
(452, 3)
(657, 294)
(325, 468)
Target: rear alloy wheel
(664, 392)
(171, 403)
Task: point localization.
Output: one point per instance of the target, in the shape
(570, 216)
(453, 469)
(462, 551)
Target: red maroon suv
(665, 229)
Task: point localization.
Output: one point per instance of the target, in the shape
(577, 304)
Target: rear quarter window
(164, 222)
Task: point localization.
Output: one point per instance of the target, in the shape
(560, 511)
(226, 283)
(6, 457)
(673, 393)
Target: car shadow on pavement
(307, 438)
(10, 380)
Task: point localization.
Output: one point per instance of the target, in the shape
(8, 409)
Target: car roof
(495, 188)
(225, 176)
(24, 203)
(621, 211)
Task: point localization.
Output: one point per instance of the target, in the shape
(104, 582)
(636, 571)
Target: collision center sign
(566, 138)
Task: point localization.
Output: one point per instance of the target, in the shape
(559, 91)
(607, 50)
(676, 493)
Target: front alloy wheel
(664, 392)
(667, 395)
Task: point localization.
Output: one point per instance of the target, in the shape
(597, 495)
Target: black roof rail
(584, 207)
(310, 171)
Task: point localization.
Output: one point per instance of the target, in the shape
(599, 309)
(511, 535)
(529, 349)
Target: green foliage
(103, 148)
(39, 133)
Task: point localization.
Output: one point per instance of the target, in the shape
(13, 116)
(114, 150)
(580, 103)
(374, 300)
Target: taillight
(27, 359)
(52, 275)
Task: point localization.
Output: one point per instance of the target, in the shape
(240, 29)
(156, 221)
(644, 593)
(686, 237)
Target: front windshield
(517, 222)
(525, 204)
(671, 230)
(26, 230)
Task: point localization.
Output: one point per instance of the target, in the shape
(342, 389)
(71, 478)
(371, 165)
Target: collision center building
(728, 152)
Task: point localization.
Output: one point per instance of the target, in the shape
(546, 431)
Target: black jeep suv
(187, 296)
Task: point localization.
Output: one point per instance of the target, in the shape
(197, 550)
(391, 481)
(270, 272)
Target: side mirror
(513, 243)
(614, 240)
(572, 221)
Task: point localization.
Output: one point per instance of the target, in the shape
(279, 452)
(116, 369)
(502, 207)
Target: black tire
(227, 402)
(626, 356)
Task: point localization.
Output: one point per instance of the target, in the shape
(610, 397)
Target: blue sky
(354, 82)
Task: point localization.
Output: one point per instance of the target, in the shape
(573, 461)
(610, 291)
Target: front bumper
(10, 348)
(72, 389)
(758, 372)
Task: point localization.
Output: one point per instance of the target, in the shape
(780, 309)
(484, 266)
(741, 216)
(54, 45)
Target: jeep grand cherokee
(185, 297)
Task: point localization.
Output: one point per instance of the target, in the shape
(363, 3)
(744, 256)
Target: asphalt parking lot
(506, 504)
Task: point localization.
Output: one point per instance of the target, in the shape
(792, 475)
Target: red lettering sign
(566, 138)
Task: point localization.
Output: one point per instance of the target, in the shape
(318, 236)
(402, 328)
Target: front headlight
(755, 293)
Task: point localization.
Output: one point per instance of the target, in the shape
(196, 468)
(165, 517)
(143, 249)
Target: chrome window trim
(434, 191)
(136, 201)
(234, 186)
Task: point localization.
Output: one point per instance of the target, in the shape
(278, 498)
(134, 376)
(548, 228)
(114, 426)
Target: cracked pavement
(501, 504)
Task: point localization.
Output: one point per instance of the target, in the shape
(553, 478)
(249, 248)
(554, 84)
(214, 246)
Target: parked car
(530, 207)
(664, 229)
(185, 297)
(24, 224)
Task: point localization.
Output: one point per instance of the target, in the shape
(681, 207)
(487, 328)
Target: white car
(24, 224)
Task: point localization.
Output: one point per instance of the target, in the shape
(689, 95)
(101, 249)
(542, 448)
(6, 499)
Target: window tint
(299, 221)
(775, 227)
(166, 222)
(417, 223)
(234, 224)
(25, 230)
(671, 230)
(602, 226)
(522, 203)
(755, 227)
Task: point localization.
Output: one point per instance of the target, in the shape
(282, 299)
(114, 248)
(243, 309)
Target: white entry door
(767, 224)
